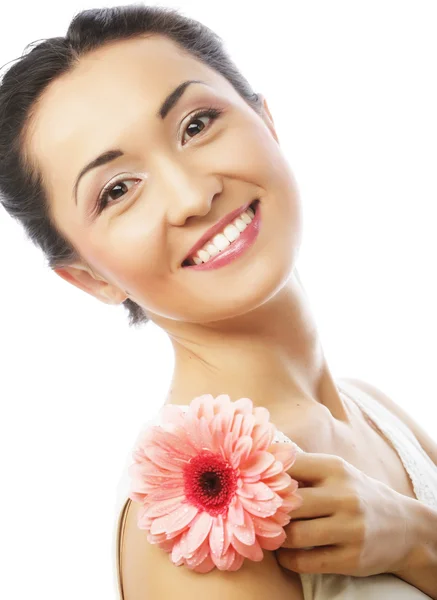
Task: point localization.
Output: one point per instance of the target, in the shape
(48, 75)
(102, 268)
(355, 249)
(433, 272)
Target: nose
(190, 195)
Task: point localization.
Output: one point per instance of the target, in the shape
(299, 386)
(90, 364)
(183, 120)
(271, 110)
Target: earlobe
(84, 278)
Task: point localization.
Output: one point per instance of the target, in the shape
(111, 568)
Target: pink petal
(266, 527)
(263, 436)
(253, 552)
(274, 469)
(176, 553)
(261, 508)
(205, 434)
(238, 562)
(202, 406)
(161, 459)
(183, 515)
(243, 406)
(272, 543)
(173, 443)
(166, 493)
(164, 507)
(172, 413)
(223, 563)
(279, 482)
(198, 531)
(261, 491)
(217, 536)
(248, 424)
(206, 566)
(245, 489)
(198, 556)
(236, 425)
(281, 517)
(236, 511)
(242, 449)
(287, 456)
(246, 532)
(256, 464)
(261, 414)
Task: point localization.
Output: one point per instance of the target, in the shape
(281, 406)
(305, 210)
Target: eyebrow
(110, 155)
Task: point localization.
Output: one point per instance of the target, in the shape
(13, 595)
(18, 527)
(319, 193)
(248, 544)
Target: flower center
(209, 482)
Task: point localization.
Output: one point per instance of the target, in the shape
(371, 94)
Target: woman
(128, 147)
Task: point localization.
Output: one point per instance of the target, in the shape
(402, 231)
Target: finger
(308, 533)
(313, 467)
(316, 502)
(329, 559)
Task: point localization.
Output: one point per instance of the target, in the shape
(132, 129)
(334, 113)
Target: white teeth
(245, 218)
(231, 232)
(212, 250)
(203, 254)
(222, 240)
(239, 224)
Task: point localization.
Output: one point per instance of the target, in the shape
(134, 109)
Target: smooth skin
(245, 329)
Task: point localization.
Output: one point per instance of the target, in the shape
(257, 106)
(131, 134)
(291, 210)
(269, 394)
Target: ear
(267, 116)
(85, 279)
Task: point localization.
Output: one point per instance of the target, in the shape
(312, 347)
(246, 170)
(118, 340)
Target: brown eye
(118, 188)
(196, 124)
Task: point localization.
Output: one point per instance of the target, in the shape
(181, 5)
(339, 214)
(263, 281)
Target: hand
(357, 525)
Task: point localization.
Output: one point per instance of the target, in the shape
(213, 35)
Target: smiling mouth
(222, 242)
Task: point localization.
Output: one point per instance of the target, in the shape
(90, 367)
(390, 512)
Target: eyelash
(211, 112)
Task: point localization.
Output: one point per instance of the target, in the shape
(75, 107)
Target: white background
(351, 86)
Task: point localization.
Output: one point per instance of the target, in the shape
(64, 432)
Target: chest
(359, 442)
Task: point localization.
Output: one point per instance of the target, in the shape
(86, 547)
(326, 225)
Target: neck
(271, 355)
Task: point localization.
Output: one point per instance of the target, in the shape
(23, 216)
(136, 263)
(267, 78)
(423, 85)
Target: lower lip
(236, 249)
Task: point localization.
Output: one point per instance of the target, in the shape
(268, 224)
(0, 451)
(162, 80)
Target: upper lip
(218, 227)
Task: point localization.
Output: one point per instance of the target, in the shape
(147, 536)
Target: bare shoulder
(148, 573)
(422, 436)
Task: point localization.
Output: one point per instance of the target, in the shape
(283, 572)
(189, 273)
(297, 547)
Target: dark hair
(21, 188)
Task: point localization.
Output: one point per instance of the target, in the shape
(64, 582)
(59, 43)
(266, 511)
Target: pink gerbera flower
(213, 486)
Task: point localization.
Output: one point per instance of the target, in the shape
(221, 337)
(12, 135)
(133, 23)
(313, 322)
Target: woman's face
(176, 182)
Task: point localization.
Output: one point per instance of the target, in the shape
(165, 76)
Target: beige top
(418, 465)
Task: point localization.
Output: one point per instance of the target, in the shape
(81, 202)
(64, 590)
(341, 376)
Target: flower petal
(166, 492)
(272, 543)
(256, 464)
(246, 532)
(266, 527)
(261, 508)
(235, 512)
(206, 566)
(274, 469)
(261, 414)
(198, 531)
(287, 455)
(261, 491)
(199, 555)
(280, 482)
(217, 537)
(242, 449)
(172, 413)
(164, 507)
(248, 424)
(253, 552)
(161, 459)
(224, 562)
(202, 406)
(183, 515)
(262, 435)
(243, 406)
